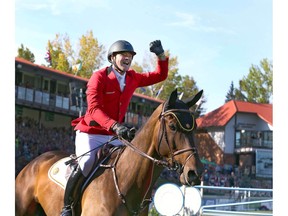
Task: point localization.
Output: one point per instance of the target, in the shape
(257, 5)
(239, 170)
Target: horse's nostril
(191, 175)
(193, 178)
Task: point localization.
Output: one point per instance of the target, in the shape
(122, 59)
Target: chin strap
(117, 68)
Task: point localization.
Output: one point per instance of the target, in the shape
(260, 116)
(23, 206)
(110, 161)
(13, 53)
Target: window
(46, 85)
(28, 81)
(238, 139)
(246, 138)
(62, 89)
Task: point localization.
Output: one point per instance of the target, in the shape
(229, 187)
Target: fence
(240, 201)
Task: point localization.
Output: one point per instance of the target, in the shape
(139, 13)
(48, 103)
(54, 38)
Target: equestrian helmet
(120, 46)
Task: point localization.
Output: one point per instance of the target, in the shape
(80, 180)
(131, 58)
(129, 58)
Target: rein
(171, 166)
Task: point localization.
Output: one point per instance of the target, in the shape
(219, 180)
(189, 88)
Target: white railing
(216, 210)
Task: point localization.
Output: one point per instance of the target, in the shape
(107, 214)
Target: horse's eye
(172, 127)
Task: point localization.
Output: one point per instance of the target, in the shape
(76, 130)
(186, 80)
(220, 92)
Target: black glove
(156, 47)
(123, 131)
(131, 134)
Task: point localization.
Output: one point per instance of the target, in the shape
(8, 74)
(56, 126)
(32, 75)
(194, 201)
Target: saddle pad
(59, 172)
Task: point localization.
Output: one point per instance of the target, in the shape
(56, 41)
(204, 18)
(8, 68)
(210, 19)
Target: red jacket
(107, 104)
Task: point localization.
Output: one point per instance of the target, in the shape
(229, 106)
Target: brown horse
(165, 140)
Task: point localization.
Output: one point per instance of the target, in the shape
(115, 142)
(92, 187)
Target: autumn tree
(258, 85)
(25, 53)
(89, 52)
(58, 55)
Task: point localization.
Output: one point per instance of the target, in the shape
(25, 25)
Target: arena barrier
(239, 201)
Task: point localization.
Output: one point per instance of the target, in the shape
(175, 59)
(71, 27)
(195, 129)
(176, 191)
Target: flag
(159, 91)
(48, 57)
(77, 67)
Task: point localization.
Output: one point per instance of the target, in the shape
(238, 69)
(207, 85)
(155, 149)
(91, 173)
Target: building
(54, 98)
(238, 133)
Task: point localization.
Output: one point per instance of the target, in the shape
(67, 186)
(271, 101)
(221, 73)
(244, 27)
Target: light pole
(80, 102)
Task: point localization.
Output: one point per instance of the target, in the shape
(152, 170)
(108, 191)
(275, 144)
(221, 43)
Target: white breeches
(84, 143)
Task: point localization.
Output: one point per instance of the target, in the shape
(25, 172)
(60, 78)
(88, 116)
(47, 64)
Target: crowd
(234, 177)
(32, 139)
(220, 177)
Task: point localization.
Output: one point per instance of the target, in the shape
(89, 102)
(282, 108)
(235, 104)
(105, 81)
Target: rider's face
(123, 60)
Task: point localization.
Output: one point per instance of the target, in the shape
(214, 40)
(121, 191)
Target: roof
(24, 61)
(148, 97)
(221, 116)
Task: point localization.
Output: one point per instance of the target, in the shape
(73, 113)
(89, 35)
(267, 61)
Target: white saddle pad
(59, 172)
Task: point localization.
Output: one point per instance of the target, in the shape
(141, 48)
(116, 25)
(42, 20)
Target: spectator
(206, 177)
(30, 141)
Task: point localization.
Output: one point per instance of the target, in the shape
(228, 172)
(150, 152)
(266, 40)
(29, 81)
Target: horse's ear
(193, 100)
(172, 99)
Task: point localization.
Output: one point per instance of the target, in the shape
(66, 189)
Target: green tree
(231, 93)
(173, 80)
(189, 88)
(25, 53)
(148, 64)
(257, 86)
(185, 85)
(142, 90)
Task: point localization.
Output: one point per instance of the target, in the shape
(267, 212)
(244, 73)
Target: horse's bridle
(173, 165)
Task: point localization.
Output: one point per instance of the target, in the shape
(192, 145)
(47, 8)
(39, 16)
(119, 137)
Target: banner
(264, 163)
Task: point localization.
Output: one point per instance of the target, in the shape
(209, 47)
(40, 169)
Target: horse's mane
(149, 126)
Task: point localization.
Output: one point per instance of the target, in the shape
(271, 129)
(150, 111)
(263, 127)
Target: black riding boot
(73, 186)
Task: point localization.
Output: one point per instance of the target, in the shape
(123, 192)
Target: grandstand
(53, 98)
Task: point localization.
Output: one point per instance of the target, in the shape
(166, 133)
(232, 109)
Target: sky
(216, 42)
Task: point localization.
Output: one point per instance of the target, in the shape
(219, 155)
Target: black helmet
(120, 46)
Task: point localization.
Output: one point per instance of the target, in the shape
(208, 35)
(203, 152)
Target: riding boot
(73, 186)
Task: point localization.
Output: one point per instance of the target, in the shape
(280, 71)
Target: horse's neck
(145, 139)
(139, 166)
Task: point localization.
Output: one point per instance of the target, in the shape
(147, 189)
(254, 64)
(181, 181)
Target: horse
(166, 140)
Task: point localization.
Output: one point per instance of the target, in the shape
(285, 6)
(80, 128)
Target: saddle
(59, 172)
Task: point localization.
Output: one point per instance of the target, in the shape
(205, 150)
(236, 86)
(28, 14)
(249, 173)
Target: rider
(109, 91)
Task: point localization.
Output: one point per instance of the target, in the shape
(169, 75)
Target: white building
(238, 133)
